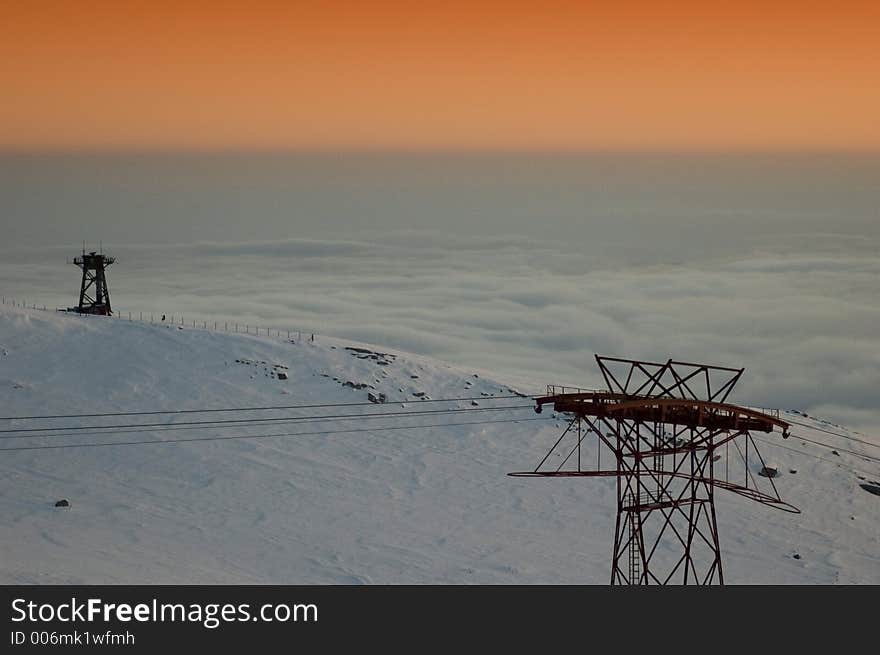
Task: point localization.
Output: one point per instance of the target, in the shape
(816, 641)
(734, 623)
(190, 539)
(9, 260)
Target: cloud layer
(803, 325)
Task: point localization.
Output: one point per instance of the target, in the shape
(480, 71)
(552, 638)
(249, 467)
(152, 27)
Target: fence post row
(23, 304)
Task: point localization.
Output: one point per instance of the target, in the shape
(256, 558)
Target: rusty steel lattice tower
(94, 296)
(673, 440)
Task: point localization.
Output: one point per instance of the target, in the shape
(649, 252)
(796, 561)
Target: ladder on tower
(635, 555)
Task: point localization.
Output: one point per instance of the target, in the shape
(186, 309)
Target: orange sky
(769, 74)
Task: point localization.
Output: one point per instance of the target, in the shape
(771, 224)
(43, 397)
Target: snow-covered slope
(409, 505)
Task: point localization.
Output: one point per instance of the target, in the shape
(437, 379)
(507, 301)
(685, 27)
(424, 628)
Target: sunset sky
(684, 74)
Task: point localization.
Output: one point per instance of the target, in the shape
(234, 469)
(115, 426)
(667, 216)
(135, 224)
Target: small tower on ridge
(94, 296)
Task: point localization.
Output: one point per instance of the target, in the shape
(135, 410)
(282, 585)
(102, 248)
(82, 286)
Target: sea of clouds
(805, 327)
(525, 265)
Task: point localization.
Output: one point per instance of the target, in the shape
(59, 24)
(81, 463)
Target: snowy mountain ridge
(422, 497)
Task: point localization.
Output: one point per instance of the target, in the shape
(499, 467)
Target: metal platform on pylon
(672, 438)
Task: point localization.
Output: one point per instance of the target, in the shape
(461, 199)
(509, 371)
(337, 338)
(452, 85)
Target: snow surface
(402, 506)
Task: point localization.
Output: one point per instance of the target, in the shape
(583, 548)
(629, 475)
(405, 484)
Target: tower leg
(655, 506)
(82, 288)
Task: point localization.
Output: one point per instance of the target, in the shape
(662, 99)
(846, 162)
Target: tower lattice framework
(94, 295)
(673, 441)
